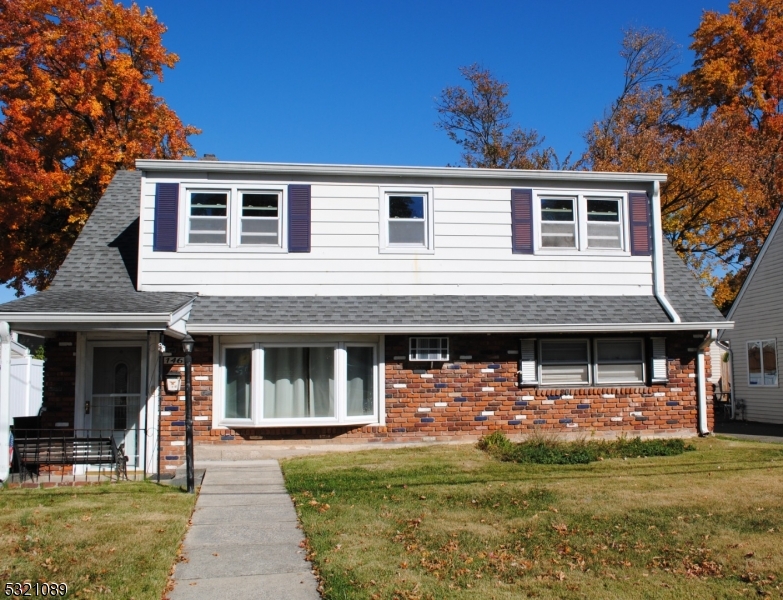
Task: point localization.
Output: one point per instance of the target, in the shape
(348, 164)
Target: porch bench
(37, 451)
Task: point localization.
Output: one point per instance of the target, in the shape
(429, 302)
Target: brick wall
(59, 390)
(465, 399)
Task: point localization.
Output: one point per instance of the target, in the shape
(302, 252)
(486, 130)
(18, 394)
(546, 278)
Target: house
(757, 335)
(370, 304)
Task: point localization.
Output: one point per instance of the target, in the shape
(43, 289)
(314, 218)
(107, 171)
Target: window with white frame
(234, 216)
(564, 362)
(208, 216)
(314, 383)
(762, 363)
(558, 222)
(619, 361)
(260, 219)
(429, 348)
(581, 222)
(406, 221)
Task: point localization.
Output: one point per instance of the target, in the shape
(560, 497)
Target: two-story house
(363, 303)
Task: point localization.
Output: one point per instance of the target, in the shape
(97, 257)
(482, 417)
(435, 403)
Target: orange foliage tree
(77, 105)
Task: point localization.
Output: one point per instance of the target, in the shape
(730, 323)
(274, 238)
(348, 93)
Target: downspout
(659, 288)
(701, 381)
(5, 399)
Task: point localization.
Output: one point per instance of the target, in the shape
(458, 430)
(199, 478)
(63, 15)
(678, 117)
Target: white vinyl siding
(471, 254)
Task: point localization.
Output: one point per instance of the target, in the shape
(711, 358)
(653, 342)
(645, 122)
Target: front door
(115, 404)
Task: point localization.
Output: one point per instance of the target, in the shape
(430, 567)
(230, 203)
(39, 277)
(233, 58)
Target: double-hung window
(581, 222)
(565, 362)
(234, 217)
(310, 383)
(208, 216)
(762, 363)
(619, 361)
(406, 220)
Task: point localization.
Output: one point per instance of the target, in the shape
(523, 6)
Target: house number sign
(173, 360)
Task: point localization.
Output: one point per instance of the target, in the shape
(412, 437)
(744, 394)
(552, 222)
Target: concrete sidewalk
(244, 540)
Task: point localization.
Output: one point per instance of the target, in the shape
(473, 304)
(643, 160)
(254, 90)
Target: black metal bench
(38, 451)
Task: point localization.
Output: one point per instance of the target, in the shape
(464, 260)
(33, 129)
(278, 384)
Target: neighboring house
(756, 338)
(360, 303)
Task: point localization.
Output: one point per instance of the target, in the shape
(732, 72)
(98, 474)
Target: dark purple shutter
(522, 221)
(166, 202)
(299, 218)
(641, 234)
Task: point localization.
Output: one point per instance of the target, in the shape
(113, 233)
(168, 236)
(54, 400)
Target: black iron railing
(63, 455)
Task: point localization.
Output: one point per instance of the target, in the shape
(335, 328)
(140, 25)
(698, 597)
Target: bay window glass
(619, 361)
(558, 223)
(238, 383)
(298, 382)
(208, 217)
(762, 363)
(565, 362)
(360, 392)
(603, 223)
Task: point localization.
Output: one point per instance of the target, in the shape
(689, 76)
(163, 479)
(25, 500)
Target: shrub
(545, 449)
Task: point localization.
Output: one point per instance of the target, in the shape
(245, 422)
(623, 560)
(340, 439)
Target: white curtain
(298, 382)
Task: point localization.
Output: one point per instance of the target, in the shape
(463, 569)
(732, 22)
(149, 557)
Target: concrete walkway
(244, 540)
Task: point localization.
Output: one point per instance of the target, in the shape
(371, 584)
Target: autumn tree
(712, 196)
(478, 119)
(77, 105)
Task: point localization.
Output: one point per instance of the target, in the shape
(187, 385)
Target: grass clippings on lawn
(104, 541)
(452, 522)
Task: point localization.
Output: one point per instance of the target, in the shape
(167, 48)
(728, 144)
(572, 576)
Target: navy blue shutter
(166, 208)
(299, 218)
(641, 229)
(522, 221)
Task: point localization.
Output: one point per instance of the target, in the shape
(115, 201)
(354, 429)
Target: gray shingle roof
(684, 292)
(99, 274)
(426, 310)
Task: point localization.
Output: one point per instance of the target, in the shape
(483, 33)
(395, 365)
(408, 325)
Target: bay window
(280, 384)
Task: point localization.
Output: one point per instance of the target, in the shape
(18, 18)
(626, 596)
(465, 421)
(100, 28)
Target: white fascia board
(199, 166)
(756, 263)
(60, 317)
(209, 328)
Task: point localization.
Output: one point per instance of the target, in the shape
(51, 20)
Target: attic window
(429, 348)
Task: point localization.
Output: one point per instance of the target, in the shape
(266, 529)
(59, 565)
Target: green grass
(453, 522)
(112, 540)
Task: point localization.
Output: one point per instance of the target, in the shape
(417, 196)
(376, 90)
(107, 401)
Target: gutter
(239, 328)
(701, 382)
(5, 398)
(659, 286)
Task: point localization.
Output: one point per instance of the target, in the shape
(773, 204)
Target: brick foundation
(458, 400)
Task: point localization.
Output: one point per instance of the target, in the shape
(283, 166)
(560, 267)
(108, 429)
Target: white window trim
(595, 363)
(340, 386)
(777, 368)
(428, 337)
(429, 217)
(234, 216)
(581, 197)
(589, 363)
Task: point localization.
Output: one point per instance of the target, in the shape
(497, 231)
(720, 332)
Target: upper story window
(207, 217)
(406, 221)
(260, 218)
(234, 217)
(581, 222)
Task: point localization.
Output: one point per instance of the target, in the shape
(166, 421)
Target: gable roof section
(98, 276)
(684, 292)
(756, 263)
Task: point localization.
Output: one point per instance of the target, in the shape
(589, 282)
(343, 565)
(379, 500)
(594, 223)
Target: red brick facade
(461, 399)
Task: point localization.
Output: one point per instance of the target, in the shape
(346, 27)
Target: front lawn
(104, 541)
(453, 522)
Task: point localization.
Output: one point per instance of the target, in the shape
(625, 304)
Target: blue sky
(355, 82)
